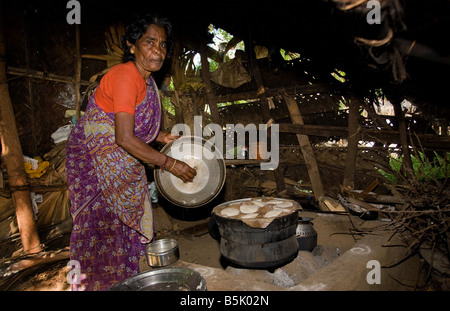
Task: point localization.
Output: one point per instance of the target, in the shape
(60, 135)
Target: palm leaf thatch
(113, 47)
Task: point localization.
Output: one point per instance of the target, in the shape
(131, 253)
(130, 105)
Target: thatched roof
(403, 54)
(407, 48)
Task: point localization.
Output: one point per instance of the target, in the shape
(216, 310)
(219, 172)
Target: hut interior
(360, 104)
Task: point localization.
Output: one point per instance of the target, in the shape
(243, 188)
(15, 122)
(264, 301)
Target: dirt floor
(198, 249)
(196, 244)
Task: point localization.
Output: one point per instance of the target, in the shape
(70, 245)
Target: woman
(108, 187)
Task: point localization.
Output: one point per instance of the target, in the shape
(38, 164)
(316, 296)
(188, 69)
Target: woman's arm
(124, 130)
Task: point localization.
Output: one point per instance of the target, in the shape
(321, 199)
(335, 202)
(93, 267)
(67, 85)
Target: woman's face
(150, 50)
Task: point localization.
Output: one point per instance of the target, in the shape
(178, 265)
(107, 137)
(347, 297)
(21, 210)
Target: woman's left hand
(168, 137)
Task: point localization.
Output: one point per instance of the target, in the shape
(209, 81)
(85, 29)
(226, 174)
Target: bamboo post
(33, 122)
(353, 139)
(278, 172)
(13, 158)
(308, 154)
(407, 163)
(78, 73)
(209, 93)
(261, 91)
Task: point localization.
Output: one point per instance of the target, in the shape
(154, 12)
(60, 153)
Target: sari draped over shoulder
(108, 189)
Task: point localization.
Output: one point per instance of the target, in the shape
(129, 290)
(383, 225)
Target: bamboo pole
(40, 75)
(78, 73)
(13, 158)
(278, 172)
(400, 115)
(210, 98)
(353, 139)
(308, 154)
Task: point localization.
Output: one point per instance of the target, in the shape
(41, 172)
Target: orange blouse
(121, 89)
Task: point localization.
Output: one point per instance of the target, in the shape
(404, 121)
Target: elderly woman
(108, 187)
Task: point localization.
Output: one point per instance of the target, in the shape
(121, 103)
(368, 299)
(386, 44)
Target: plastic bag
(62, 133)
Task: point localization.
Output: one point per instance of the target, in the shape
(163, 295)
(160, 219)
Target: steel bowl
(162, 252)
(207, 160)
(163, 279)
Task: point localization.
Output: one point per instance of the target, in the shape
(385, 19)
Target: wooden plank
(308, 154)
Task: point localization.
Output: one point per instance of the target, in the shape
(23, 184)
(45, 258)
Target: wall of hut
(42, 65)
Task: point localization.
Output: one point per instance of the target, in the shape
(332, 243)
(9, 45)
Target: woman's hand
(180, 169)
(165, 137)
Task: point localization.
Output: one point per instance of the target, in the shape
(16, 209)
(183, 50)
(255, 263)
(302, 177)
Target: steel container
(162, 252)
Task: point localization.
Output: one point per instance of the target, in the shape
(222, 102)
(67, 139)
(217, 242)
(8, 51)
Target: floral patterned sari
(108, 188)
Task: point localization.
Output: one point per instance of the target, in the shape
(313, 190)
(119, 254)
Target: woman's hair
(138, 28)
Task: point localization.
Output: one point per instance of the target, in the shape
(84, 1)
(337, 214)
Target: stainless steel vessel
(205, 159)
(162, 252)
(164, 279)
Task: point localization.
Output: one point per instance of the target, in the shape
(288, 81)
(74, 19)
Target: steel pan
(164, 279)
(201, 155)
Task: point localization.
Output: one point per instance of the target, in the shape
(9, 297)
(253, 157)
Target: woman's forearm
(125, 138)
(140, 150)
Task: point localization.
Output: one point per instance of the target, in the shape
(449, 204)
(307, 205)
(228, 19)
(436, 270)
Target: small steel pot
(306, 234)
(162, 252)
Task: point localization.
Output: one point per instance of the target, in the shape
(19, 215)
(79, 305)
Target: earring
(132, 52)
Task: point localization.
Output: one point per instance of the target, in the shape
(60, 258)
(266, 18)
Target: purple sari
(108, 188)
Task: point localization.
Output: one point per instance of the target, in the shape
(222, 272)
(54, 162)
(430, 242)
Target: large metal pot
(211, 172)
(252, 247)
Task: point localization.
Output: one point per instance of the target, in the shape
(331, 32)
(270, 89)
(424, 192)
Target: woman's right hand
(181, 170)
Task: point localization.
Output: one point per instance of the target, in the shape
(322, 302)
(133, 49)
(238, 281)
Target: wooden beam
(308, 154)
